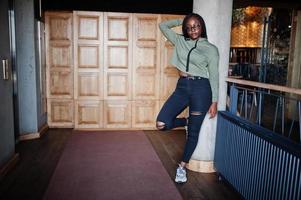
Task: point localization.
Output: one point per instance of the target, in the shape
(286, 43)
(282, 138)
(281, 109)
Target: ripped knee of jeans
(160, 125)
(195, 121)
(196, 113)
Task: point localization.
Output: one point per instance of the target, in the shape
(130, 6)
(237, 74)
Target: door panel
(88, 69)
(146, 65)
(115, 64)
(89, 114)
(7, 144)
(88, 85)
(146, 70)
(117, 114)
(60, 112)
(88, 55)
(117, 55)
(144, 113)
(59, 69)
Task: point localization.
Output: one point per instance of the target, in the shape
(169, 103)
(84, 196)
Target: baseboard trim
(201, 166)
(31, 136)
(9, 165)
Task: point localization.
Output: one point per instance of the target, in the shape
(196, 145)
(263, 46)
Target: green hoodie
(203, 59)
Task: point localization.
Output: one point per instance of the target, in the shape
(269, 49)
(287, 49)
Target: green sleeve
(166, 26)
(214, 74)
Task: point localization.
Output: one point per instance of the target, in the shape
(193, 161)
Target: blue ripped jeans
(196, 94)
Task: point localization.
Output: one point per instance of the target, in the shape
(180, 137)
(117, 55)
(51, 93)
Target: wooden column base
(201, 166)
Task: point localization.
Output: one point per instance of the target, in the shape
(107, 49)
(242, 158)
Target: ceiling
(154, 6)
(268, 3)
(130, 6)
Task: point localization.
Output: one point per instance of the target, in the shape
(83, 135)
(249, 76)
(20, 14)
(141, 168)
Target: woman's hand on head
(212, 110)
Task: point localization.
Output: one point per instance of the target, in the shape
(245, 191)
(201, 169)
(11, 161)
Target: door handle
(5, 69)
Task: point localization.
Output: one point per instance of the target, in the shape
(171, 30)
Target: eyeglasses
(193, 28)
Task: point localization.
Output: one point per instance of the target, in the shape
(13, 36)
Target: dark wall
(154, 6)
(288, 4)
(131, 6)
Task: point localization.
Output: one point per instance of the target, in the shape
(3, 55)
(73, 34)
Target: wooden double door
(107, 70)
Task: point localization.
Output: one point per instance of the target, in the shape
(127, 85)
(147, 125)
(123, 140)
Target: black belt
(192, 77)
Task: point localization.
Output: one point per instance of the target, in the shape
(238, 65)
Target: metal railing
(270, 106)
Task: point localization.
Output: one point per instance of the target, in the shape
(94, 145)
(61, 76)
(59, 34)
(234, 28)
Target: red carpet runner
(110, 165)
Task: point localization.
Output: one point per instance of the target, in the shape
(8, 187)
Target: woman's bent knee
(160, 125)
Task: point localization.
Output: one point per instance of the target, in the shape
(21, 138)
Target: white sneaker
(181, 175)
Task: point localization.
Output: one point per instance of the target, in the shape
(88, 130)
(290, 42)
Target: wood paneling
(117, 114)
(146, 70)
(59, 69)
(60, 113)
(88, 55)
(107, 70)
(118, 36)
(88, 85)
(117, 85)
(247, 35)
(60, 83)
(89, 114)
(88, 69)
(144, 113)
(146, 63)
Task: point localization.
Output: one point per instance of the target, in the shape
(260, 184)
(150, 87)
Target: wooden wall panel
(107, 70)
(117, 85)
(59, 26)
(88, 55)
(144, 113)
(117, 70)
(60, 83)
(89, 114)
(59, 62)
(118, 56)
(88, 85)
(60, 113)
(247, 35)
(88, 69)
(59, 69)
(146, 70)
(60, 54)
(117, 114)
(146, 62)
